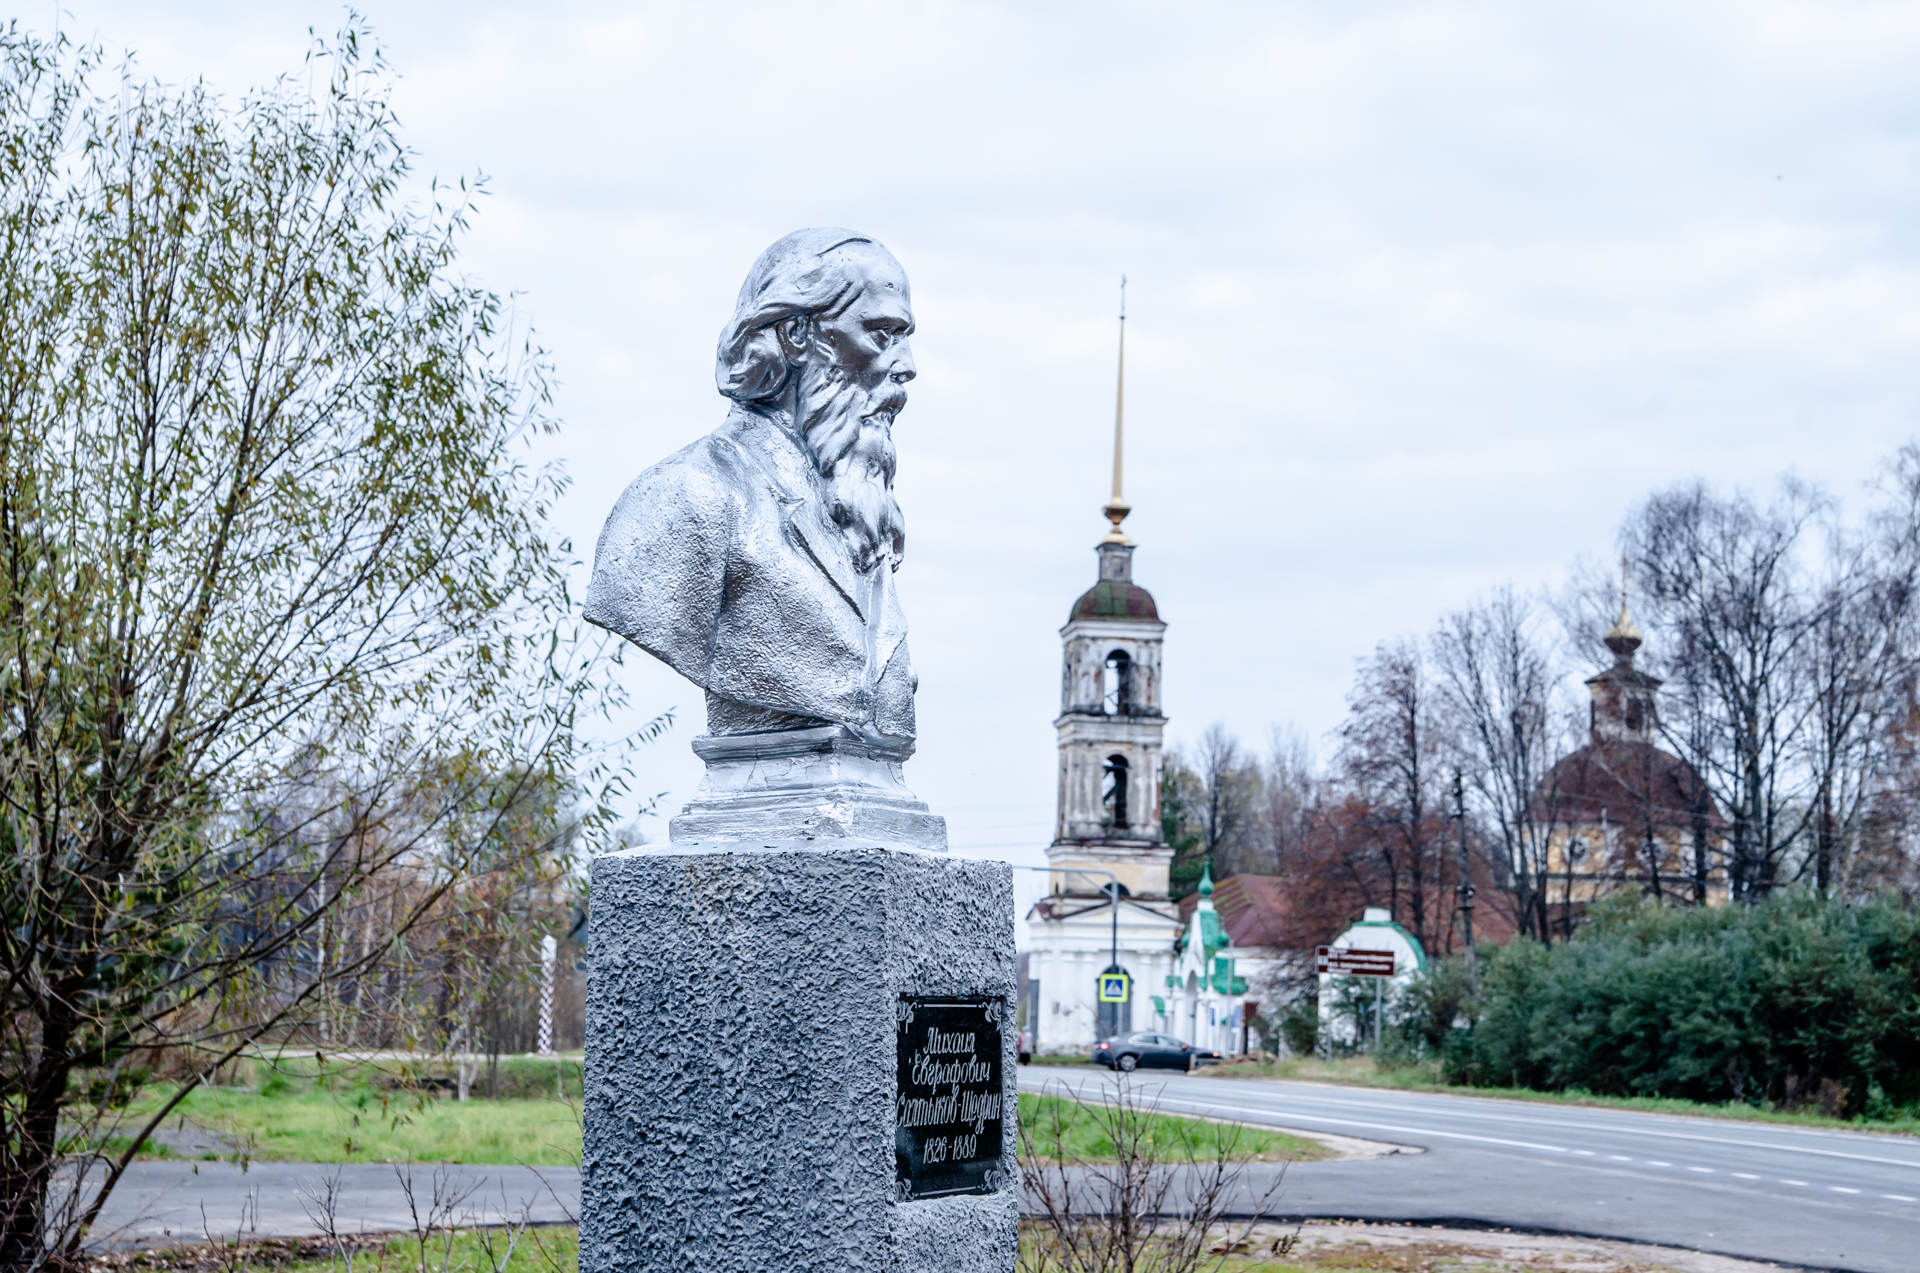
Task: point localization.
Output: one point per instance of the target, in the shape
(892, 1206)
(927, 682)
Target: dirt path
(1398, 1248)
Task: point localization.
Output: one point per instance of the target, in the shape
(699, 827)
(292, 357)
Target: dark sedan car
(1144, 1050)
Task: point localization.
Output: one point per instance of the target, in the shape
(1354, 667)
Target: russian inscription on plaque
(949, 1106)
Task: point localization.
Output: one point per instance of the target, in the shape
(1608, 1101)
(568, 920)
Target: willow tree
(279, 604)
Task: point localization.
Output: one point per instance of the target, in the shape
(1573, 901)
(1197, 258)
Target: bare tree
(1500, 686)
(1857, 674)
(1172, 1200)
(1726, 581)
(1210, 807)
(1291, 790)
(1391, 754)
(1230, 815)
(264, 526)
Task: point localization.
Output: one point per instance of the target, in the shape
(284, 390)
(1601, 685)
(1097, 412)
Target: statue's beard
(850, 430)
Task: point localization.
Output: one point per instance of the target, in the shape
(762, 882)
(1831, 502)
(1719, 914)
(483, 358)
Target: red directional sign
(1353, 963)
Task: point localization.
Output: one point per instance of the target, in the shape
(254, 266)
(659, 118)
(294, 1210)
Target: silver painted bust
(759, 561)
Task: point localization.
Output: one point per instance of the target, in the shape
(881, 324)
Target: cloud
(1424, 296)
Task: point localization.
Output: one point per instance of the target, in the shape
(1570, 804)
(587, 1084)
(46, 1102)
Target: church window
(1636, 715)
(1119, 678)
(1116, 794)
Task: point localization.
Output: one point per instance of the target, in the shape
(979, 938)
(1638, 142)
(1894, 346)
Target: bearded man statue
(759, 561)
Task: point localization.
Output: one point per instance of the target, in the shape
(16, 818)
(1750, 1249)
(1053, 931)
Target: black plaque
(949, 1104)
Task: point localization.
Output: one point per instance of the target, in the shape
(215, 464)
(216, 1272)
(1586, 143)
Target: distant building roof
(1252, 910)
(1630, 782)
(1116, 599)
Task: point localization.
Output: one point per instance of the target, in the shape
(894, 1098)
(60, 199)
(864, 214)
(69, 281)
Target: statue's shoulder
(708, 475)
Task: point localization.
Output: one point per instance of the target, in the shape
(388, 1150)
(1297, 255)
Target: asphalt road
(1814, 1198)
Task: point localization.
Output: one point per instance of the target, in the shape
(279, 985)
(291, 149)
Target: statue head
(819, 334)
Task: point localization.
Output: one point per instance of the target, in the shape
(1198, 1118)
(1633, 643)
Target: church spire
(1117, 508)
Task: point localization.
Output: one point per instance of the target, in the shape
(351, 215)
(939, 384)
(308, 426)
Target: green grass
(1362, 1071)
(350, 1115)
(1055, 1127)
(298, 1111)
(358, 1126)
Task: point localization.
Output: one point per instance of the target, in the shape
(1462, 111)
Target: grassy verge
(1361, 1071)
(347, 1115)
(336, 1115)
(360, 1126)
(1054, 1125)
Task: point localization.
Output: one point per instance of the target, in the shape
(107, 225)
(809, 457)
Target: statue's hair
(801, 274)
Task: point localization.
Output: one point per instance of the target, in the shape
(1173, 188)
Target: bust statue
(759, 561)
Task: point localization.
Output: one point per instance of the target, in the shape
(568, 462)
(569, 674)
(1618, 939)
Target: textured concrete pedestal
(741, 1049)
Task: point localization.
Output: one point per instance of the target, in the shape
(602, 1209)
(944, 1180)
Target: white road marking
(1707, 1170)
(1841, 1189)
(1214, 1107)
(1652, 1163)
(1746, 1175)
(1801, 1183)
(1899, 1197)
(1591, 1125)
(1584, 1153)
(1619, 1157)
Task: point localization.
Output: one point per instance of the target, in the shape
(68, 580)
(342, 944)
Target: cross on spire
(1623, 638)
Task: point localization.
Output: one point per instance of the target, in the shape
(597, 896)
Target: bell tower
(1111, 725)
(1624, 708)
(1106, 918)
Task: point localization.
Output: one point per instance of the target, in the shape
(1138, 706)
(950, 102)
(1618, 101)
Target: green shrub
(1300, 1028)
(530, 1078)
(1796, 1002)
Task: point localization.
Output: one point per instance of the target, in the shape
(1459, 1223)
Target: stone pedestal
(747, 1025)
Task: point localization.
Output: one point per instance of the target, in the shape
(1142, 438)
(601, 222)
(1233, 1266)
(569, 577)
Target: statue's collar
(789, 462)
(797, 486)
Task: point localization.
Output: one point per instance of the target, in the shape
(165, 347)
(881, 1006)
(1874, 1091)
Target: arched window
(1115, 798)
(1119, 680)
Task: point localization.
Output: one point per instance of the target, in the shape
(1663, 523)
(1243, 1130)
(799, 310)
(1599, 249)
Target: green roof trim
(1159, 1004)
(1213, 933)
(1419, 951)
(1223, 981)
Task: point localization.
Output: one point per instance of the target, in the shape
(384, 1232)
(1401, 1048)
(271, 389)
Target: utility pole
(1465, 888)
(549, 950)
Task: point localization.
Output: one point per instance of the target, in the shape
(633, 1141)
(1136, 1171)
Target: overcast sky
(1423, 297)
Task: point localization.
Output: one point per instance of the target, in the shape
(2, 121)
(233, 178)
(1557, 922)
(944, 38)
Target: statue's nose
(903, 369)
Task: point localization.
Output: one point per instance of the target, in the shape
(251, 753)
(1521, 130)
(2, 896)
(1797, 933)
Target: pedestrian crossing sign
(1113, 987)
